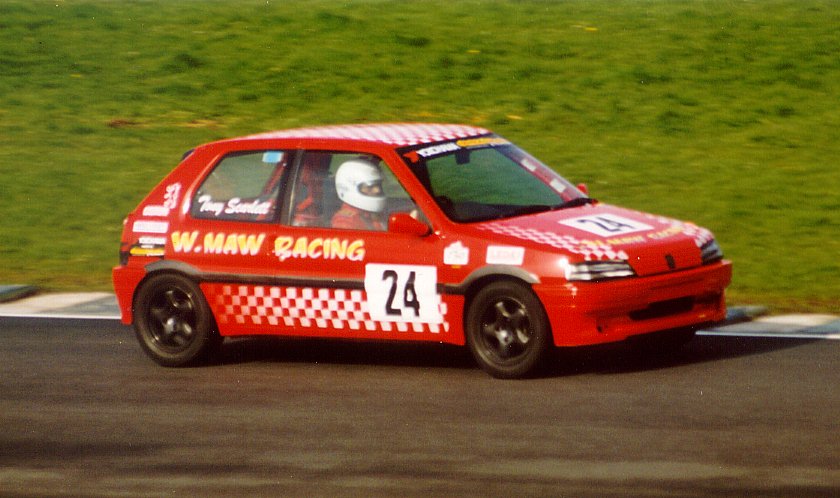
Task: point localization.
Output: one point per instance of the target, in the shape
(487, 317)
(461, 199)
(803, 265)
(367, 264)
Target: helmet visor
(371, 189)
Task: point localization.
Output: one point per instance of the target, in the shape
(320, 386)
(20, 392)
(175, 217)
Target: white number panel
(606, 225)
(402, 293)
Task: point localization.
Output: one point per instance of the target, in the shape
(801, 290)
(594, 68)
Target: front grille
(664, 308)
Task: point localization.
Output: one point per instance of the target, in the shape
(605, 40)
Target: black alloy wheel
(173, 322)
(507, 330)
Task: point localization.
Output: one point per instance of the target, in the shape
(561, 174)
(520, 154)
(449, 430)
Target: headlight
(596, 270)
(711, 252)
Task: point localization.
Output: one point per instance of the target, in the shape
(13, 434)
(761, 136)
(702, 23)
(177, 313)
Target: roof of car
(394, 134)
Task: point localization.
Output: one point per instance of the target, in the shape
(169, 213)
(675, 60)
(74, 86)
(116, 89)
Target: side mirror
(583, 188)
(404, 223)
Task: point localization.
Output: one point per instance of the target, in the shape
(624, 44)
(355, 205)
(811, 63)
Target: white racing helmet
(349, 180)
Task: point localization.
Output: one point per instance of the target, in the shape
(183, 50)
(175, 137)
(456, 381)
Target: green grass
(721, 112)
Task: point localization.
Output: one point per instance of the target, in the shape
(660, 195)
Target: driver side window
(347, 191)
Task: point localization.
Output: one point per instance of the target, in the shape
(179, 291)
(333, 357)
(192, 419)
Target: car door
(339, 271)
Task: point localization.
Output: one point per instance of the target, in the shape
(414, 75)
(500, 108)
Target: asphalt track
(84, 413)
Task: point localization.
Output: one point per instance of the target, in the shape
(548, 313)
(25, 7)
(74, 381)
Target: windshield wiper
(541, 208)
(579, 201)
(528, 209)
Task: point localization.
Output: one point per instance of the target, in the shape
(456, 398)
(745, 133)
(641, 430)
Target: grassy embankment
(724, 113)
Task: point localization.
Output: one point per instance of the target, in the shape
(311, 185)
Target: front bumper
(583, 313)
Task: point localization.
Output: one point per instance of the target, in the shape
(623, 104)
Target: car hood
(651, 244)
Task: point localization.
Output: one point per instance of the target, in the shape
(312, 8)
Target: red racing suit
(358, 219)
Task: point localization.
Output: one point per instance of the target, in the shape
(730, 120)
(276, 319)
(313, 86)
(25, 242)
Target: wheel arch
(489, 274)
(164, 267)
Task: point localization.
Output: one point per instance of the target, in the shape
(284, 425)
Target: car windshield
(486, 178)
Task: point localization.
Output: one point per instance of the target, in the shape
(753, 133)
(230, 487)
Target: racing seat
(309, 191)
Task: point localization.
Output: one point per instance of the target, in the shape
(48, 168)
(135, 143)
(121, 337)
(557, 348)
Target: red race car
(419, 232)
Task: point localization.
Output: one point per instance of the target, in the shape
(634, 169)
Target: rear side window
(243, 186)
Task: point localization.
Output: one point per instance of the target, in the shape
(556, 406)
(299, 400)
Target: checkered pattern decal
(305, 307)
(591, 249)
(398, 135)
(595, 250)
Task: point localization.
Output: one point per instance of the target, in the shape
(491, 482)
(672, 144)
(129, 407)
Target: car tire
(507, 330)
(173, 322)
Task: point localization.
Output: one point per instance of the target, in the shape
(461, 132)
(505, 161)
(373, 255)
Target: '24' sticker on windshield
(402, 293)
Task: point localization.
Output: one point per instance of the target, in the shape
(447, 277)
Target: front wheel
(507, 330)
(173, 322)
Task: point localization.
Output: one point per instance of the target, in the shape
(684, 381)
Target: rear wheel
(173, 322)
(507, 330)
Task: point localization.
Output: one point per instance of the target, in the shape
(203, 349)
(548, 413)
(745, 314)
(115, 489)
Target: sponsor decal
(668, 232)
(630, 239)
(159, 211)
(438, 149)
(482, 142)
(415, 155)
(402, 293)
(170, 198)
(152, 241)
(147, 251)
(149, 246)
(456, 254)
(638, 239)
(233, 206)
(217, 243)
(606, 225)
(148, 226)
(319, 248)
(505, 255)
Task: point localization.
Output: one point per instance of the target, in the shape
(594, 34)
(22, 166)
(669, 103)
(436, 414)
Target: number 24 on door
(402, 293)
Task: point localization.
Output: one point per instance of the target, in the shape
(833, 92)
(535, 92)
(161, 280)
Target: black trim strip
(235, 278)
(323, 283)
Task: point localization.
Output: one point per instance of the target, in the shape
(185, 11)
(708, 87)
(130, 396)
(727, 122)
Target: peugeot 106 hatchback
(403, 232)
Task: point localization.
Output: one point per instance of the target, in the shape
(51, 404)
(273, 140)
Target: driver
(358, 183)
